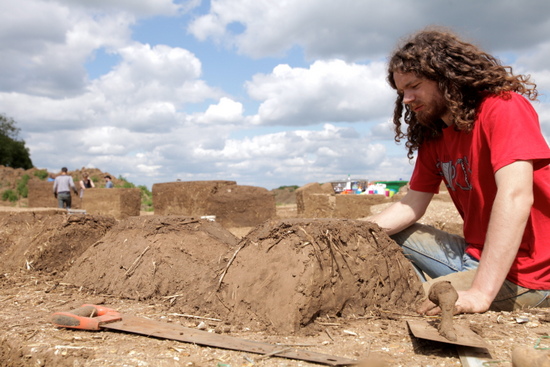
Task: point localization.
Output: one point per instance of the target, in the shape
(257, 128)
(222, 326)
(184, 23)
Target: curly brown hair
(464, 73)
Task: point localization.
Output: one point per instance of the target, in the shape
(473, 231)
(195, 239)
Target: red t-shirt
(506, 130)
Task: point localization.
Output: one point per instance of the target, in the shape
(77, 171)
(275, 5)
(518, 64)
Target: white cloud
(328, 91)
(312, 155)
(320, 26)
(351, 29)
(226, 111)
(141, 7)
(383, 130)
(535, 62)
(45, 45)
(146, 91)
(152, 114)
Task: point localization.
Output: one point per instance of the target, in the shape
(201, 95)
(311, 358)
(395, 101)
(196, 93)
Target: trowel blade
(466, 337)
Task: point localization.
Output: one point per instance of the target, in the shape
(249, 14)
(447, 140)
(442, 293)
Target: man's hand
(468, 302)
(55, 194)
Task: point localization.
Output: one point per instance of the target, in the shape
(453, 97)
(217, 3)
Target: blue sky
(261, 92)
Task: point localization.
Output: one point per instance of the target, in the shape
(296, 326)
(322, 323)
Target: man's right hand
(55, 194)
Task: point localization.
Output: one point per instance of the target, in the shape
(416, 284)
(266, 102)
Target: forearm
(394, 218)
(509, 217)
(404, 213)
(508, 221)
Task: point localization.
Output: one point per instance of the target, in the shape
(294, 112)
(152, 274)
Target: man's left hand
(468, 302)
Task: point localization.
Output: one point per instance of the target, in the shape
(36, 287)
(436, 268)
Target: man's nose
(408, 97)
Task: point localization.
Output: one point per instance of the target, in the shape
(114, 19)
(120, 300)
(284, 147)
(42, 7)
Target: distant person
(85, 183)
(108, 183)
(62, 187)
(51, 178)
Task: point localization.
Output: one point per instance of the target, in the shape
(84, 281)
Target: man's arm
(72, 185)
(403, 213)
(509, 217)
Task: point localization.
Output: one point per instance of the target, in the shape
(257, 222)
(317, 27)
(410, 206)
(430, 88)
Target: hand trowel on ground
(472, 348)
(466, 337)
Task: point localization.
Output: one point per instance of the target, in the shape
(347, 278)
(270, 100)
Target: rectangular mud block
(117, 202)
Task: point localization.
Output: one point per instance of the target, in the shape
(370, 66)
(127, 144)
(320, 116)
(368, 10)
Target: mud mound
(281, 276)
(178, 258)
(45, 241)
(286, 273)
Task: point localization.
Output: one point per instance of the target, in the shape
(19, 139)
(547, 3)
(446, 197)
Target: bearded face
(433, 112)
(423, 97)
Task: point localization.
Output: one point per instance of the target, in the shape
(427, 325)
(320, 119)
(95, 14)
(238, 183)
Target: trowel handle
(86, 317)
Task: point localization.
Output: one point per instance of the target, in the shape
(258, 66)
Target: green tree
(13, 152)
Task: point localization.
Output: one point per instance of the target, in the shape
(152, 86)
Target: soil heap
(150, 257)
(280, 277)
(287, 273)
(48, 241)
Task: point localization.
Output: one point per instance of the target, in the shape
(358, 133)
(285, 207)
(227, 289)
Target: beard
(432, 117)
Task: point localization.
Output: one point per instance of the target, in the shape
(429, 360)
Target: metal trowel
(472, 348)
(466, 337)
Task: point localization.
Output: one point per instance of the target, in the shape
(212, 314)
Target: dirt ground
(336, 287)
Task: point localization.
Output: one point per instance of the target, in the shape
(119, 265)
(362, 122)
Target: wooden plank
(151, 328)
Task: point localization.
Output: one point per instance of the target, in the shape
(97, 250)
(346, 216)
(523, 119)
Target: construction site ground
(377, 337)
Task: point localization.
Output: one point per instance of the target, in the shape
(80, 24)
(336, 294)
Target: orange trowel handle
(86, 317)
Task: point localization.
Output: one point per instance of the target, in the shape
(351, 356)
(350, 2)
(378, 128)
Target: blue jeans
(441, 256)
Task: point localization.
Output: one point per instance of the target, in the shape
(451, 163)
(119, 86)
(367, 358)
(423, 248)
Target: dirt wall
(41, 196)
(117, 202)
(185, 198)
(242, 206)
(232, 204)
(319, 201)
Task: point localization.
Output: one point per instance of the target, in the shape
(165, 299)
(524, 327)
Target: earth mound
(280, 277)
(287, 273)
(178, 258)
(47, 241)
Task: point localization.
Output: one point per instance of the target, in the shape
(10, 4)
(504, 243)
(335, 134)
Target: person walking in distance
(473, 127)
(62, 187)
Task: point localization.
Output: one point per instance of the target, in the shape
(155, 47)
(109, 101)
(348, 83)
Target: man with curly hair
(471, 123)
